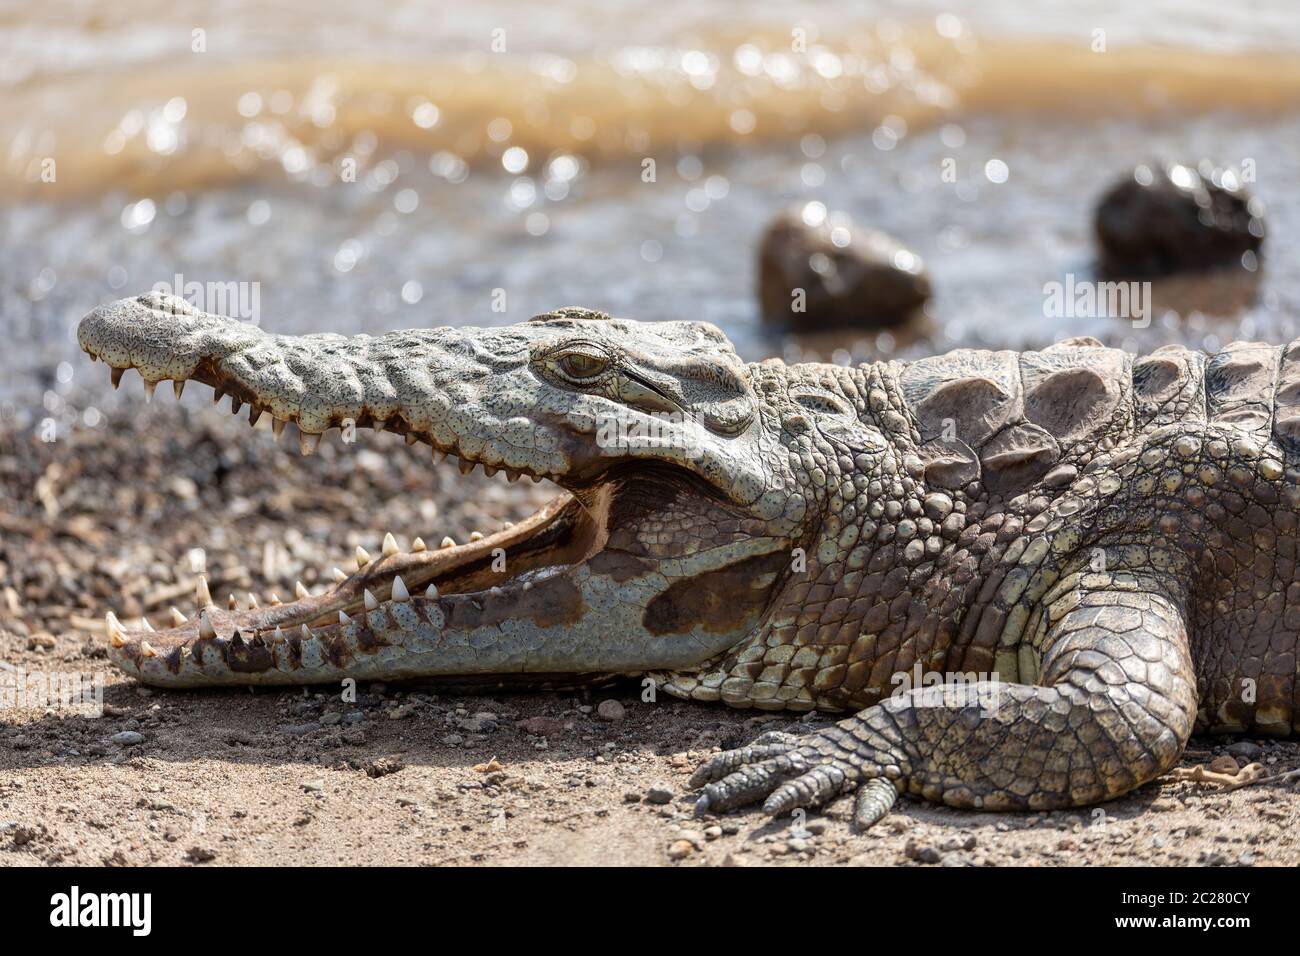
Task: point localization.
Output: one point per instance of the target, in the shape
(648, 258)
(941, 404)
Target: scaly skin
(1030, 575)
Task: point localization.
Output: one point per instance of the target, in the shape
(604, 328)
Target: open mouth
(480, 581)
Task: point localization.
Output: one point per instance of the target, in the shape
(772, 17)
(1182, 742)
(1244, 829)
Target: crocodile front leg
(1113, 709)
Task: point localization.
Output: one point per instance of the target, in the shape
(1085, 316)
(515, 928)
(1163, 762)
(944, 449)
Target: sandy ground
(110, 517)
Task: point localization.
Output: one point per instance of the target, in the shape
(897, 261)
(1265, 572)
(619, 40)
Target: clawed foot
(794, 771)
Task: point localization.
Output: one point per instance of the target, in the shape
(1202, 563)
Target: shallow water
(522, 171)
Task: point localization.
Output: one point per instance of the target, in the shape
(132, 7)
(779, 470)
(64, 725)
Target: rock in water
(1175, 218)
(818, 270)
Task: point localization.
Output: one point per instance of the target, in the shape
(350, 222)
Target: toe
(745, 785)
(812, 789)
(719, 765)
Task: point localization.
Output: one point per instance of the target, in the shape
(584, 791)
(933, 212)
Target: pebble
(313, 786)
(1224, 765)
(300, 730)
(127, 738)
(680, 849)
(611, 710)
(542, 726)
(201, 854)
(659, 793)
(922, 853)
(1246, 750)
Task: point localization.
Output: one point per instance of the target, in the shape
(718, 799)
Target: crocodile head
(683, 495)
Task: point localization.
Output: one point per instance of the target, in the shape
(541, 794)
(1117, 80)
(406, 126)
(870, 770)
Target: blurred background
(369, 167)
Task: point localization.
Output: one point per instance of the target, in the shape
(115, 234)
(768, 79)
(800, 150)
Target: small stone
(611, 710)
(127, 738)
(1246, 750)
(1224, 765)
(659, 793)
(201, 854)
(922, 853)
(313, 786)
(542, 726)
(680, 849)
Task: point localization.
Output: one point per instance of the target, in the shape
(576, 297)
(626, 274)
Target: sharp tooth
(431, 591)
(343, 618)
(363, 557)
(412, 438)
(217, 395)
(206, 630)
(116, 375)
(178, 386)
(148, 390)
(279, 634)
(275, 600)
(536, 478)
(339, 576)
(390, 545)
(305, 631)
(254, 413)
(231, 602)
(116, 633)
(399, 589)
(447, 543)
(178, 618)
(146, 650)
(512, 475)
(308, 443)
(371, 601)
(300, 590)
(235, 404)
(465, 466)
(476, 535)
(201, 592)
(277, 427)
(145, 625)
(252, 601)
(418, 545)
(489, 471)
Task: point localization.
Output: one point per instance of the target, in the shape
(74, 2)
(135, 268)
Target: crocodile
(1028, 577)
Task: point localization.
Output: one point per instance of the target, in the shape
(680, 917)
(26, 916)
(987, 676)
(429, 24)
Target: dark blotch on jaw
(720, 601)
(554, 601)
(619, 565)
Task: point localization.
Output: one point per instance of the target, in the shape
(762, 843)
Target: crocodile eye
(582, 364)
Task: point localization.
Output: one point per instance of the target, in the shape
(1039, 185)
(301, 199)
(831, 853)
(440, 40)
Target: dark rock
(849, 276)
(1246, 750)
(1174, 218)
(921, 852)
